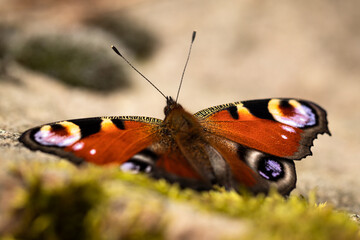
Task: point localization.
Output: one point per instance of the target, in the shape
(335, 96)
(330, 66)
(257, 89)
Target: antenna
(187, 60)
(118, 53)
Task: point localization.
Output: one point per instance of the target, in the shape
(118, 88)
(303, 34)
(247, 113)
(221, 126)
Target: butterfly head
(170, 105)
(177, 119)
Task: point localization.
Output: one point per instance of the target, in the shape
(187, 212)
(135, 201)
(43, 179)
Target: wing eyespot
(293, 113)
(135, 166)
(270, 170)
(141, 162)
(57, 135)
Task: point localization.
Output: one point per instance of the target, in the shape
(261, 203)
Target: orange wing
(99, 140)
(280, 127)
(175, 163)
(133, 143)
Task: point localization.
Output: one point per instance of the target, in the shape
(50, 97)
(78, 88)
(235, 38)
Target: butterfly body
(248, 144)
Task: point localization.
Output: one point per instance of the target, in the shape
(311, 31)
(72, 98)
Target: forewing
(280, 127)
(102, 140)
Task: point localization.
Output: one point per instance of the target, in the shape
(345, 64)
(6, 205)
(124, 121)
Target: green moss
(277, 217)
(77, 63)
(280, 218)
(61, 213)
(60, 200)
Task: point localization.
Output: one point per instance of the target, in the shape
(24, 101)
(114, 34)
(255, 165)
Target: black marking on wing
(29, 134)
(57, 127)
(145, 154)
(259, 108)
(88, 126)
(233, 110)
(284, 103)
(118, 123)
(149, 153)
(241, 151)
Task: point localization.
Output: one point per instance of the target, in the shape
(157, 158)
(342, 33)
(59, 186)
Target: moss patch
(56, 200)
(60, 213)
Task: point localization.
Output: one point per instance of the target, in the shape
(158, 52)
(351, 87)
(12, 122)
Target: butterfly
(250, 144)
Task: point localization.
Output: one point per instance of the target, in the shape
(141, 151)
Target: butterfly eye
(270, 169)
(134, 166)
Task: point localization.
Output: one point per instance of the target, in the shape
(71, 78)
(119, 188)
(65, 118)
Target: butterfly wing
(134, 143)
(281, 127)
(101, 140)
(167, 162)
(259, 139)
(255, 170)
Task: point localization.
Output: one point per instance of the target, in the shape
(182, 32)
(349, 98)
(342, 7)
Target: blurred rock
(133, 35)
(76, 61)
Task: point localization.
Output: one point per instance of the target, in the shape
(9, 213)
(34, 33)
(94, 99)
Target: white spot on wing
(92, 151)
(78, 146)
(288, 129)
(129, 167)
(148, 169)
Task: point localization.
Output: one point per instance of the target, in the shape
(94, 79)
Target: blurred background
(56, 63)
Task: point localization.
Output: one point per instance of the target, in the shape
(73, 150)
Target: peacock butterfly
(249, 144)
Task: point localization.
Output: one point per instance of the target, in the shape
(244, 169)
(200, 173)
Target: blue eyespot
(271, 169)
